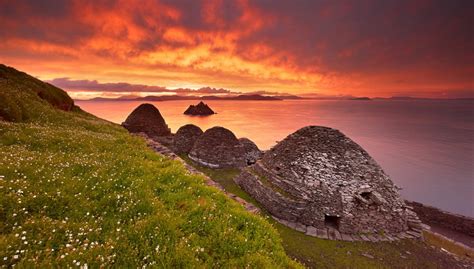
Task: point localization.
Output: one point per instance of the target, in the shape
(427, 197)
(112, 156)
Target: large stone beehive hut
(252, 153)
(218, 148)
(146, 118)
(319, 178)
(185, 138)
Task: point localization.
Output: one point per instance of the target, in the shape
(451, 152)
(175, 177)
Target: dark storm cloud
(50, 20)
(347, 36)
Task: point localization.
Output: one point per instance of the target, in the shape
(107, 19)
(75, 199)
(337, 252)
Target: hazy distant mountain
(258, 97)
(242, 97)
(254, 97)
(361, 98)
(289, 97)
(401, 98)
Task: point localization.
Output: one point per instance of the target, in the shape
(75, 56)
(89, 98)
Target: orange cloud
(331, 48)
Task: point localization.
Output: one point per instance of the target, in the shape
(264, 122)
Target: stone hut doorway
(332, 221)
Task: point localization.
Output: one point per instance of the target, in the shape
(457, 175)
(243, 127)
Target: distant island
(200, 109)
(259, 97)
(242, 97)
(361, 99)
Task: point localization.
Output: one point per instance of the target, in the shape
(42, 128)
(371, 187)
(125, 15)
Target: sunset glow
(359, 48)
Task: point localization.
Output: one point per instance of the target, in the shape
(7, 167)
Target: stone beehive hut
(146, 118)
(252, 153)
(218, 148)
(185, 138)
(319, 178)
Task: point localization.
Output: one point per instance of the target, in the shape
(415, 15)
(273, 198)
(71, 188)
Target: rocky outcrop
(218, 148)
(147, 118)
(200, 109)
(252, 153)
(185, 138)
(318, 178)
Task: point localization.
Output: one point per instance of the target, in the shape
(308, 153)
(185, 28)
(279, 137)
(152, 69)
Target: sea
(425, 146)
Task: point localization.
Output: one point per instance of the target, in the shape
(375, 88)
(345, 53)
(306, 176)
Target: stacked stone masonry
(185, 138)
(432, 215)
(147, 118)
(218, 147)
(317, 178)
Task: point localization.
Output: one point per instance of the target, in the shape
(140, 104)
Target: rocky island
(200, 109)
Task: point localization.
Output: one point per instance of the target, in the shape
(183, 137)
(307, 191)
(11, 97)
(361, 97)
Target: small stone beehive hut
(185, 138)
(218, 148)
(317, 177)
(252, 153)
(146, 118)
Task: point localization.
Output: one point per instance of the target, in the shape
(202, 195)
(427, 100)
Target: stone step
(401, 236)
(414, 234)
(389, 237)
(372, 238)
(322, 233)
(356, 237)
(364, 237)
(347, 237)
(312, 231)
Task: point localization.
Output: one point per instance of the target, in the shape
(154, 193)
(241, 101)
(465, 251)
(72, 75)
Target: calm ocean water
(427, 147)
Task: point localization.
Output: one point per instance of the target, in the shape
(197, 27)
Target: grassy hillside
(79, 191)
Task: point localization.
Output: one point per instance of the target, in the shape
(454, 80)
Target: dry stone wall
(433, 215)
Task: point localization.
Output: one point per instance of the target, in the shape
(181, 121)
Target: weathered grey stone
(185, 138)
(146, 118)
(372, 238)
(252, 153)
(435, 216)
(300, 227)
(367, 255)
(322, 233)
(337, 235)
(347, 237)
(218, 148)
(332, 234)
(312, 231)
(364, 238)
(319, 177)
(356, 237)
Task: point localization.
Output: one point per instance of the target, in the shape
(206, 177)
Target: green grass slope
(77, 191)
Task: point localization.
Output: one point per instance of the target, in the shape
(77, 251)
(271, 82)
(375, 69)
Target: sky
(331, 48)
